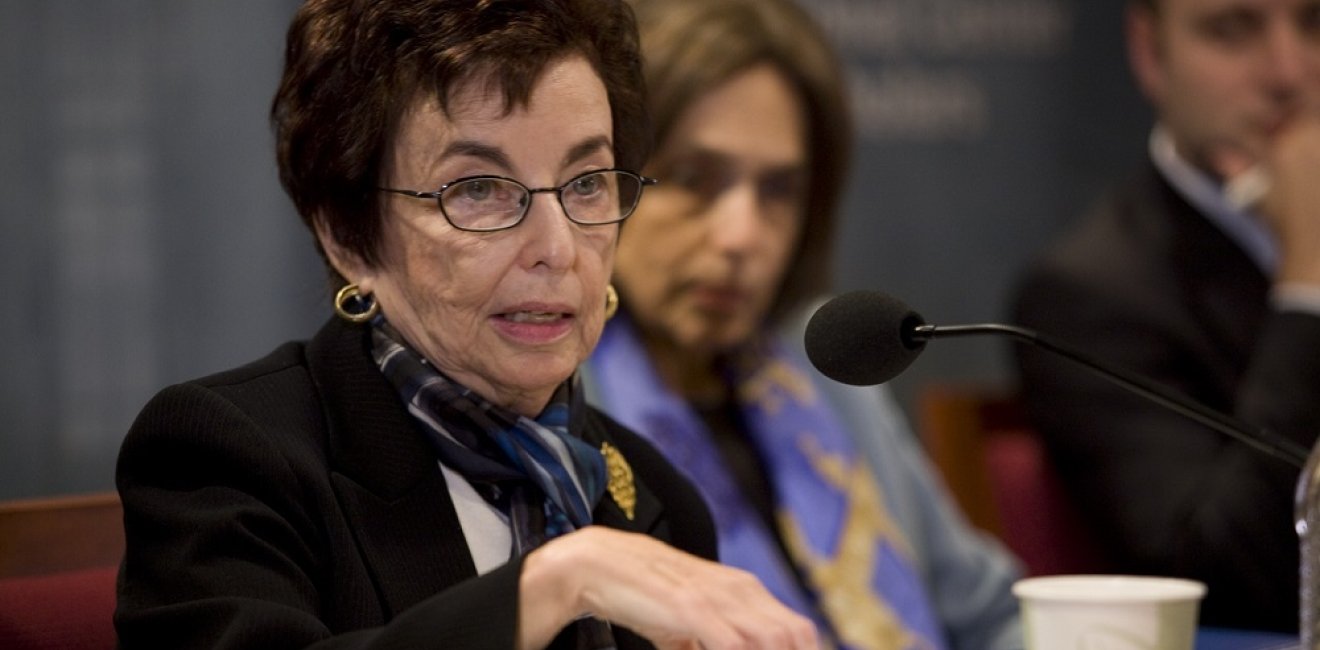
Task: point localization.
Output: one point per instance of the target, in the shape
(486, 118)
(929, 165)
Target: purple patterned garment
(858, 581)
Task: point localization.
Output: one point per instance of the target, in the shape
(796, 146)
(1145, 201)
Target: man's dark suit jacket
(1148, 283)
(293, 501)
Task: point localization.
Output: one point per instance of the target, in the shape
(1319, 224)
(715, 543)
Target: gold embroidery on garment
(619, 479)
(861, 617)
(761, 387)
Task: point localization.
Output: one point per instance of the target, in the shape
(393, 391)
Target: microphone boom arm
(1277, 446)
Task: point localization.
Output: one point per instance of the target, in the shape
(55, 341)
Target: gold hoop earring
(611, 301)
(354, 306)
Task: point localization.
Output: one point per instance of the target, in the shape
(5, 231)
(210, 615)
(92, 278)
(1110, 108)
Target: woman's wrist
(548, 595)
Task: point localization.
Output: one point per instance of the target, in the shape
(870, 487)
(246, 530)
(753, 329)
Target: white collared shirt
(486, 528)
(1245, 228)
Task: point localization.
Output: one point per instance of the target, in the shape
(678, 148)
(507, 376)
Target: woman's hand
(672, 598)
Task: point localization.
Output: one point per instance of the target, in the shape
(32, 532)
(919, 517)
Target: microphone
(865, 338)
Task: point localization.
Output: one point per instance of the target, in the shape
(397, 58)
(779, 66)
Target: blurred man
(1203, 272)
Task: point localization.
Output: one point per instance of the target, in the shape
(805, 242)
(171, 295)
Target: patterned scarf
(861, 587)
(536, 471)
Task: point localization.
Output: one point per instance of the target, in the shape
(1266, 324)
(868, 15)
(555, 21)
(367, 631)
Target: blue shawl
(860, 586)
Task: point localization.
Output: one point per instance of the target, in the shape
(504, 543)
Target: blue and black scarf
(546, 479)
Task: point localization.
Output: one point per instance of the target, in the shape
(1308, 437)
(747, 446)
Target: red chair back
(997, 469)
(59, 558)
(71, 610)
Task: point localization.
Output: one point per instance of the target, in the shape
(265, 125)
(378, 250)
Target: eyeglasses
(488, 203)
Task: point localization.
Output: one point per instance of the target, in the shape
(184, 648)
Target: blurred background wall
(144, 238)
(985, 127)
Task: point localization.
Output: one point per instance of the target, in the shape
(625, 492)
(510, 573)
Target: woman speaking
(423, 472)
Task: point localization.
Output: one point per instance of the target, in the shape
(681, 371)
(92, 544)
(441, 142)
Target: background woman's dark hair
(693, 46)
(352, 67)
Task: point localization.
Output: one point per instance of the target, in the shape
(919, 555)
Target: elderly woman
(423, 472)
(816, 487)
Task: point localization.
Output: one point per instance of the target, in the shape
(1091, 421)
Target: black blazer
(293, 502)
(1148, 283)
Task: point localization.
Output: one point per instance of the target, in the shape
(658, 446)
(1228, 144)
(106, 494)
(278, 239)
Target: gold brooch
(619, 477)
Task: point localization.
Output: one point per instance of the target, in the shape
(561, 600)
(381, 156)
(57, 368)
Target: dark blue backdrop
(145, 238)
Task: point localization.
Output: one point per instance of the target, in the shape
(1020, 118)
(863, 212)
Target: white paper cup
(1109, 612)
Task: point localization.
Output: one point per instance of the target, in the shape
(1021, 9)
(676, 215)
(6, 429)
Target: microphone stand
(1261, 439)
(1306, 519)
(1306, 500)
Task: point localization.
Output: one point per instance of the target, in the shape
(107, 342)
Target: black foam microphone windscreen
(863, 338)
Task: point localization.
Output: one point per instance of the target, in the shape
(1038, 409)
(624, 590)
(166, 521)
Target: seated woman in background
(816, 487)
(423, 472)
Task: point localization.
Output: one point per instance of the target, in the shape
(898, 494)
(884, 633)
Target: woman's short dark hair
(352, 67)
(691, 47)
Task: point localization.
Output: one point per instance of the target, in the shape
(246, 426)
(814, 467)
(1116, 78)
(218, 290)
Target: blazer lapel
(646, 508)
(390, 487)
(387, 479)
(1223, 288)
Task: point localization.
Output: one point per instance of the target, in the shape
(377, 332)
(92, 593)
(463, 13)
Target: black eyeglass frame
(437, 195)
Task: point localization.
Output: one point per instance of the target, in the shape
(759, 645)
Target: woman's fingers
(674, 599)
